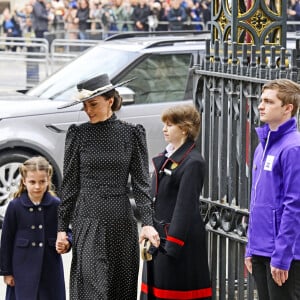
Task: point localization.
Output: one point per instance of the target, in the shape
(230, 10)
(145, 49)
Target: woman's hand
(149, 232)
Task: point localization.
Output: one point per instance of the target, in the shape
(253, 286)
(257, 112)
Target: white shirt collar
(170, 150)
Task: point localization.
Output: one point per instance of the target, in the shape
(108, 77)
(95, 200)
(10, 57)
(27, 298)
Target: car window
(62, 84)
(160, 78)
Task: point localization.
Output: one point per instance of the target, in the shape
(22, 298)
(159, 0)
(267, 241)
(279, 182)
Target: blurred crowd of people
(80, 18)
(293, 13)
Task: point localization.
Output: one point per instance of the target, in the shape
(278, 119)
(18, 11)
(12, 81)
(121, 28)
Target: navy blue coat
(28, 250)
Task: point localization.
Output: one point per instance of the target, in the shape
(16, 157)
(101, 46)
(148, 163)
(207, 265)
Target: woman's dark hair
(117, 99)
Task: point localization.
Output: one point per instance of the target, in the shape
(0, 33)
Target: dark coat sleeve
(7, 240)
(187, 205)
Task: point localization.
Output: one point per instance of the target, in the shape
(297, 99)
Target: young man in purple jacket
(273, 249)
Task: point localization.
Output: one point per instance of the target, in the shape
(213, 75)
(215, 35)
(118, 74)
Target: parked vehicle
(31, 123)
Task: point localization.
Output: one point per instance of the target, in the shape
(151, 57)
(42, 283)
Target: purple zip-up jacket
(274, 223)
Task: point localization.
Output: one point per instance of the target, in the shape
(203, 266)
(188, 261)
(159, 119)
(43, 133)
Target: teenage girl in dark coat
(179, 269)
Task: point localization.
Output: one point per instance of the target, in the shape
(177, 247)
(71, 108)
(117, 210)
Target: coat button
(40, 226)
(32, 227)
(40, 209)
(41, 244)
(33, 244)
(31, 209)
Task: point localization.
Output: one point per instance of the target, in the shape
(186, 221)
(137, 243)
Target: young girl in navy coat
(31, 265)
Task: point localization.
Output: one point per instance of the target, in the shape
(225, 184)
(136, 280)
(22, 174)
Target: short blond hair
(288, 92)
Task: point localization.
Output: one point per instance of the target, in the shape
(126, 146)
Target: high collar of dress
(112, 118)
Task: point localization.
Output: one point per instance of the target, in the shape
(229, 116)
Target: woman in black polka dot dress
(99, 157)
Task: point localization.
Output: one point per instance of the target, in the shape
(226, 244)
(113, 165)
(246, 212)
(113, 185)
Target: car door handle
(62, 127)
(56, 129)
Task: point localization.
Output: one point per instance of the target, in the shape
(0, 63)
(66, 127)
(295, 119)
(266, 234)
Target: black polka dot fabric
(98, 161)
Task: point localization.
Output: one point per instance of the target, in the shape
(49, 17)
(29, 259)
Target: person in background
(100, 156)
(140, 15)
(108, 19)
(25, 13)
(58, 8)
(273, 248)
(123, 12)
(28, 32)
(69, 19)
(176, 16)
(95, 15)
(193, 14)
(293, 13)
(29, 262)
(155, 16)
(179, 267)
(40, 18)
(82, 19)
(163, 15)
(205, 12)
(11, 27)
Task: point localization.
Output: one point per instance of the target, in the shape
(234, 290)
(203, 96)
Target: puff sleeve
(71, 178)
(140, 179)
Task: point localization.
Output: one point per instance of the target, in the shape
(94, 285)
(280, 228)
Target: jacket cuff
(173, 246)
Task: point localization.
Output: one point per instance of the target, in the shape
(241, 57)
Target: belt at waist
(105, 190)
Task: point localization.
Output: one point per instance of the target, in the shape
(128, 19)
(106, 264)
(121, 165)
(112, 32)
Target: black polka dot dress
(98, 161)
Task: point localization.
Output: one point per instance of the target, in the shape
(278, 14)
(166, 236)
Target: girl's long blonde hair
(36, 163)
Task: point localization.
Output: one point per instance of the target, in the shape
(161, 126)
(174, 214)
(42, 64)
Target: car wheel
(9, 177)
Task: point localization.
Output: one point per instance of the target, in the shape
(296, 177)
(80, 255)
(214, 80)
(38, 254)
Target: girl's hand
(62, 247)
(62, 243)
(9, 280)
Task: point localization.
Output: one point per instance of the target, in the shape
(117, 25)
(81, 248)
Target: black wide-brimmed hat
(93, 87)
